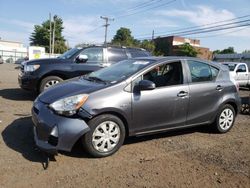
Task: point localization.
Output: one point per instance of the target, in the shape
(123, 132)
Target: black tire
(228, 112)
(46, 80)
(88, 140)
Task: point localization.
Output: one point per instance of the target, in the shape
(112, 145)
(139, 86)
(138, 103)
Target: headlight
(68, 106)
(31, 68)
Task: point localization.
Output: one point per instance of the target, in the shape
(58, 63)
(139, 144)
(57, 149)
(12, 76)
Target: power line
(193, 27)
(163, 4)
(220, 34)
(138, 6)
(186, 32)
(202, 29)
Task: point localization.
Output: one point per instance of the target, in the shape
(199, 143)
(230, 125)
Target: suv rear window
(138, 53)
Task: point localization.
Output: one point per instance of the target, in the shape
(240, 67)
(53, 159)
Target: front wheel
(106, 135)
(225, 119)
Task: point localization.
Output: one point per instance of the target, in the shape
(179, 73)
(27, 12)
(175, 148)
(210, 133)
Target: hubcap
(226, 119)
(50, 83)
(106, 136)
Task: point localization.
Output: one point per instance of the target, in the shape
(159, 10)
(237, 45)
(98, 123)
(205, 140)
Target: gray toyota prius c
(131, 98)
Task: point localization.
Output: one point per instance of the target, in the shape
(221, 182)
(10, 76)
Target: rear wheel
(49, 81)
(106, 135)
(225, 119)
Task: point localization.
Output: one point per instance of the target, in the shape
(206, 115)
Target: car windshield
(69, 53)
(231, 66)
(119, 71)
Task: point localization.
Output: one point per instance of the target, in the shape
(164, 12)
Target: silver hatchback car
(134, 97)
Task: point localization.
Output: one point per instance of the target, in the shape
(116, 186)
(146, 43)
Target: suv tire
(48, 82)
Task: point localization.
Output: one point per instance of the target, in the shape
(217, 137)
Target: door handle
(219, 87)
(182, 94)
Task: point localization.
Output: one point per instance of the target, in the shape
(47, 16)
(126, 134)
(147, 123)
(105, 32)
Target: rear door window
(116, 54)
(200, 72)
(95, 55)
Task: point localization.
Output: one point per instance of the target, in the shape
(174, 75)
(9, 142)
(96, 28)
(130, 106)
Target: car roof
(158, 59)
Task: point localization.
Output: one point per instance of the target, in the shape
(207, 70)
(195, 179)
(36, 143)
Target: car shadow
(18, 94)
(245, 105)
(206, 129)
(19, 137)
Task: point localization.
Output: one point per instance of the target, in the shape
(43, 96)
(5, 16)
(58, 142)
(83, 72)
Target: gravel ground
(193, 157)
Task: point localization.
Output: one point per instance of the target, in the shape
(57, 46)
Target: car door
(241, 75)
(166, 105)
(93, 63)
(205, 93)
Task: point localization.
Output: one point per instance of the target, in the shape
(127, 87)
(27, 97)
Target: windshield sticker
(141, 62)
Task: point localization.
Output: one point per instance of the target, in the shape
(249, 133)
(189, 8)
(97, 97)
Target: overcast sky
(82, 21)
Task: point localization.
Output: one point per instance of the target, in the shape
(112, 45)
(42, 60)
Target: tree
(148, 45)
(187, 50)
(229, 50)
(246, 52)
(40, 36)
(123, 37)
(161, 47)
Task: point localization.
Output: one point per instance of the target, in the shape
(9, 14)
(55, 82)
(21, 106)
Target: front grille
(53, 140)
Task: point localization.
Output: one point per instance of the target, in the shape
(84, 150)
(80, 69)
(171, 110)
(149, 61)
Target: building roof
(232, 56)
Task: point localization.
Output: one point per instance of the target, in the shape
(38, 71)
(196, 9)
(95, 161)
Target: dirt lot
(191, 158)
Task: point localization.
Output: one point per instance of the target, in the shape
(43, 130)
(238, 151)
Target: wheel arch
(47, 75)
(119, 115)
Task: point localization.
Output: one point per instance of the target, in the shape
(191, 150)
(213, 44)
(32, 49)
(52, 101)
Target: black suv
(41, 74)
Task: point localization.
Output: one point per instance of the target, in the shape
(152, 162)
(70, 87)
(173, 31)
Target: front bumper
(53, 132)
(27, 81)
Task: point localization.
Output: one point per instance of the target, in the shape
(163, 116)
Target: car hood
(69, 88)
(45, 61)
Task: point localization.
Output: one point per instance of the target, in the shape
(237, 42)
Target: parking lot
(188, 158)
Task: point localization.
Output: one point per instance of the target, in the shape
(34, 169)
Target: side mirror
(146, 85)
(82, 58)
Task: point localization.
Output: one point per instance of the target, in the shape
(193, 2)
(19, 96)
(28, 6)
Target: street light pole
(50, 27)
(53, 40)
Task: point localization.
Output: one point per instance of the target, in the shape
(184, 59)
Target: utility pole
(53, 40)
(106, 27)
(50, 28)
(153, 35)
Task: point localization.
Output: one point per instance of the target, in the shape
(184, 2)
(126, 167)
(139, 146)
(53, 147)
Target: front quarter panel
(112, 100)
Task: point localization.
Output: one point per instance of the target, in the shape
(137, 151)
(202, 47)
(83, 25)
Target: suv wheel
(225, 119)
(48, 82)
(105, 137)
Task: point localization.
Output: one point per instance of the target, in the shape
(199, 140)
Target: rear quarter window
(200, 72)
(215, 72)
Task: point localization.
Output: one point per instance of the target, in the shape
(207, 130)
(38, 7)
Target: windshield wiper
(93, 78)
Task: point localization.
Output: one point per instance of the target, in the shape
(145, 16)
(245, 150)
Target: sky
(82, 22)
